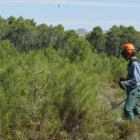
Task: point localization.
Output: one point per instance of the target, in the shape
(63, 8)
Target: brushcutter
(118, 104)
(122, 86)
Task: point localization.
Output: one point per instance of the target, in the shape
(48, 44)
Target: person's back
(133, 75)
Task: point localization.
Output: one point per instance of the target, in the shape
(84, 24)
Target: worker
(131, 84)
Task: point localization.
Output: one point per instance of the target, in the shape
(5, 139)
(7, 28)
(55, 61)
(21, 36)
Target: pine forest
(57, 85)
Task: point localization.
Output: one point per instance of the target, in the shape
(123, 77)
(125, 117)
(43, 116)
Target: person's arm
(132, 81)
(135, 73)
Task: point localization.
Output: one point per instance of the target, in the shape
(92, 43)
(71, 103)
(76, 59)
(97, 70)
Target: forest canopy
(26, 35)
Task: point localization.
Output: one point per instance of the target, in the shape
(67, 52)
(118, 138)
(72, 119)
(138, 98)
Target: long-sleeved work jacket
(133, 76)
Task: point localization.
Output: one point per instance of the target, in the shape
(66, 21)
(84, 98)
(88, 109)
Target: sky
(75, 14)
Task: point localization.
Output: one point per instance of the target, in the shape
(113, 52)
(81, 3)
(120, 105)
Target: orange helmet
(129, 48)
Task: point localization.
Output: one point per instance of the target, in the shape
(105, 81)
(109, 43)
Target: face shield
(124, 55)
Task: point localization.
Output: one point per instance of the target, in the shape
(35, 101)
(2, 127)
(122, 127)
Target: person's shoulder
(135, 62)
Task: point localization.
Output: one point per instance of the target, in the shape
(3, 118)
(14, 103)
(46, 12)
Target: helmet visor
(124, 54)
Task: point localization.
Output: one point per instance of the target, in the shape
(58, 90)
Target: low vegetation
(60, 91)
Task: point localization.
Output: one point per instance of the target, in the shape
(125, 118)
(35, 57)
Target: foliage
(56, 85)
(26, 36)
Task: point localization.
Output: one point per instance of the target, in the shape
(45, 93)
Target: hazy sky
(75, 14)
